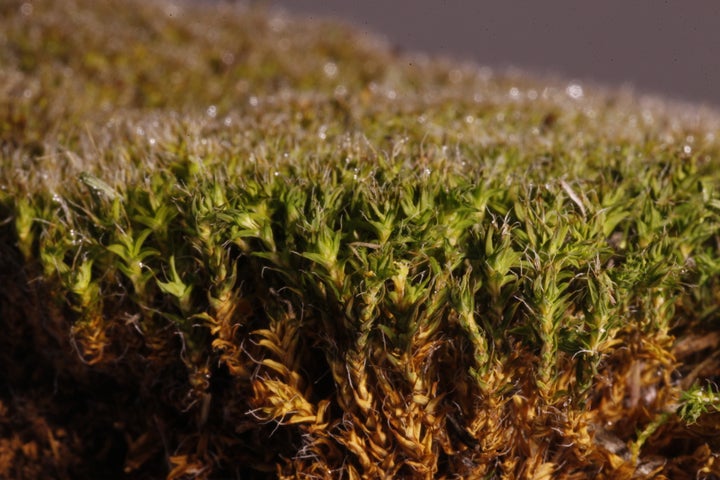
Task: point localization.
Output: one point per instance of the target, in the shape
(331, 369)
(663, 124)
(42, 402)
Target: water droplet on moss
(574, 91)
(687, 149)
(253, 101)
(227, 58)
(514, 93)
(330, 69)
(211, 111)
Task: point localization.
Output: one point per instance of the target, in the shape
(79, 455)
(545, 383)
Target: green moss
(253, 246)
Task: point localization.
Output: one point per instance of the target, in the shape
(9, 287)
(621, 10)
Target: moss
(236, 244)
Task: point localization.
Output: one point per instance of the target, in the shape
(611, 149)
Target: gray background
(668, 48)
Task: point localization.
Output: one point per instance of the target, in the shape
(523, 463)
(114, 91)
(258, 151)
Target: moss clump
(235, 245)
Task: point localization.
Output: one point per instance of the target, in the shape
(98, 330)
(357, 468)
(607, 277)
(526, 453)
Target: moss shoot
(238, 245)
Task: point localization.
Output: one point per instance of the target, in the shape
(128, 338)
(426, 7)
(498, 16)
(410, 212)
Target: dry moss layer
(237, 245)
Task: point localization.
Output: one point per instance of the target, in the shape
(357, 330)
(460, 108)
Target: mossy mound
(236, 245)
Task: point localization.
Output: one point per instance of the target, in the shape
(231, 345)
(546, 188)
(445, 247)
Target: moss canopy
(236, 244)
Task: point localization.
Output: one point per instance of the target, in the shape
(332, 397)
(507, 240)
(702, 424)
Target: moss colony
(236, 245)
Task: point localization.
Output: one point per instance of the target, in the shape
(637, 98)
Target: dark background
(668, 48)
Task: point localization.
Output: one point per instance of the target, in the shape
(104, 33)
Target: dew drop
(152, 141)
(514, 93)
(687, 149)
(140, 131)
(211, 111)
(322, 132)
(253, 101)
(574, 91)
(469, 119)
(227, 58)
(227, 121)
(330, 69)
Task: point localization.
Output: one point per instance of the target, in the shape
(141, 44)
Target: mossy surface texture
(237, 245)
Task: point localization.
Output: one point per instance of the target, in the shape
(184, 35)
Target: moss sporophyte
(288, 251)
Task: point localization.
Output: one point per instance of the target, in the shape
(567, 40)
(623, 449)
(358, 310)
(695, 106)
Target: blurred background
(667, 48)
